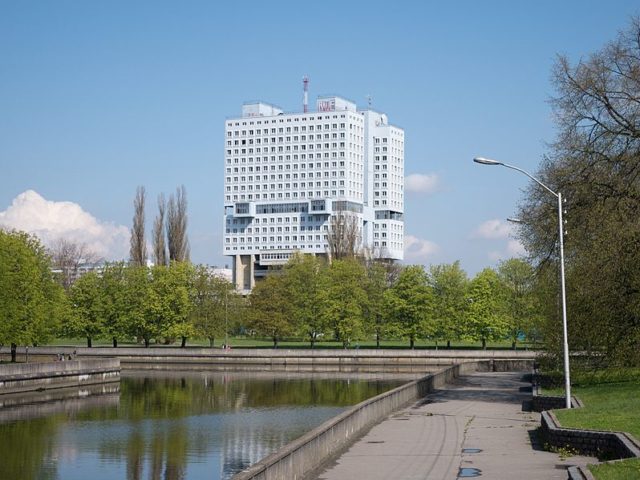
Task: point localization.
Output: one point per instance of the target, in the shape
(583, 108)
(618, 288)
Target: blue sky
(97, 98)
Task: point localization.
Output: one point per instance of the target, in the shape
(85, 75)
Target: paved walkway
(472, 428)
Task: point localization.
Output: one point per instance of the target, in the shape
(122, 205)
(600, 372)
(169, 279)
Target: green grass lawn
(252, 342)
(609, 407)
(624, 470)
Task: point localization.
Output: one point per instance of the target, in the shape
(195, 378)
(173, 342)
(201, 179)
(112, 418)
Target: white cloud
(500, 230)
(51, 220)
(515, 248)
(417, 249)
(493, 229)
(421, 183)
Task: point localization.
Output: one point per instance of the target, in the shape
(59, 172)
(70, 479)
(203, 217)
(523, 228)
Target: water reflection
(171, 426)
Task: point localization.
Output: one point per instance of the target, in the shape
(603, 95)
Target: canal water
(171, 425)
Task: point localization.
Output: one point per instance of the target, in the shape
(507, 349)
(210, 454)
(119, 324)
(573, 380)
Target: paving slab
(474, 427)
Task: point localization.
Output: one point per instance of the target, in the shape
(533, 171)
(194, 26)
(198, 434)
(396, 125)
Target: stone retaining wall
(540, 403)
(308, 452)
(25, 377)
(608, 445)
(603, 445)
(291, 359)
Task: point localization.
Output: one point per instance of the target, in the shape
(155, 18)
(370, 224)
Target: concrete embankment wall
(25, 377)
(308, 452)
(290, 359)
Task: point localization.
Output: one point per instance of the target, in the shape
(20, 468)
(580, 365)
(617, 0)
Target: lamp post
(567, 381)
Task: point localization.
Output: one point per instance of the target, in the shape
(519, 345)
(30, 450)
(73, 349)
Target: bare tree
(159, 245)
(67, 257)
(177, 240)
(138, 251)
(345, 235)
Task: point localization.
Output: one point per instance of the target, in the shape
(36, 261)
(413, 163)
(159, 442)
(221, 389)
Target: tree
(449, 284)
(375, 285)
(486, 316)
(269, 309)
(517, 278)
(32, 303)
(139, 314)
(87, 308)
(159, 245)
(409, 303)
(342, 297)
(177, 240)
(302, 276)
(345, 235)
(170, 300)
(595, 163)
(67, 257)
(214, 302)
(115, 300)
(138, 250)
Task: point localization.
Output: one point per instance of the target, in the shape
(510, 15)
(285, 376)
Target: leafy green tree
(449, 284)
(270, 310)
(115, 302)
(87, 317)
(486, 312)
(595, 164)
(302, 276)
(342, 299)
(409, 303)
(139, 316)
(517, 277)
(170, 300)
(32, 303)
(375, 285)
(214, 302)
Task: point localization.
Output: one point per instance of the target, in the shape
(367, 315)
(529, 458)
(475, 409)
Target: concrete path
(473, 428)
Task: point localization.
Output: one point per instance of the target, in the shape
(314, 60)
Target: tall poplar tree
(138, 250)
(176, 226)
(160, 256)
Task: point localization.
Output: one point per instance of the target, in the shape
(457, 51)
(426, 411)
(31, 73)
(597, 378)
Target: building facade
(290, 178)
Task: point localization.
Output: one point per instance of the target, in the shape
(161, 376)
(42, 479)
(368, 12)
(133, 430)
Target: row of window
(280, 229)
(262, 248)
(303, 148)
(289, 118)
(358, 158)
(296, 139)
(317, 247)
(279, 238)
(293, 195)
(295, 129)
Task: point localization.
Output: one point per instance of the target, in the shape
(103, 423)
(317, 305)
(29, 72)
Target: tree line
(353, 299)
(348, 300)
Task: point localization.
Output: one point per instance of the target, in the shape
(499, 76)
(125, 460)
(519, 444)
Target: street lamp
(567, 381)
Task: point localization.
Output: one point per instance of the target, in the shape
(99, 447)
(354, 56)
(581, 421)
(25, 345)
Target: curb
(618, 445)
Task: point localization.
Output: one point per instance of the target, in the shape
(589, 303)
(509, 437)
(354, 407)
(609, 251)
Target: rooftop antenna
(305, 98)
(369, 98)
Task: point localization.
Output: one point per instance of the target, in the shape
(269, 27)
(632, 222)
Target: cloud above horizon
(493, 229)
(500, 230)
(51, 220)
(421, 183)
(417, 249)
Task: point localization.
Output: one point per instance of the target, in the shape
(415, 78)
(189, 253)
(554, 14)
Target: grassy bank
(623, 470)
(609, 405)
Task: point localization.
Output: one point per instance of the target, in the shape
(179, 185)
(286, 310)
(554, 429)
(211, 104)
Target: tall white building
(287, 174)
